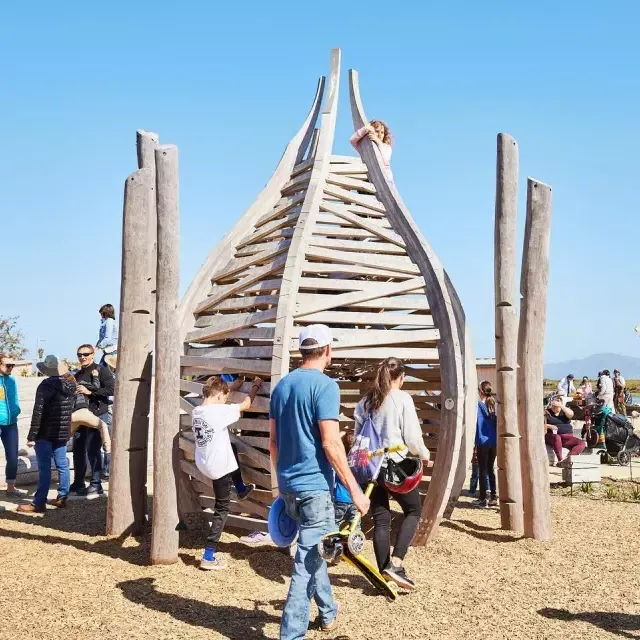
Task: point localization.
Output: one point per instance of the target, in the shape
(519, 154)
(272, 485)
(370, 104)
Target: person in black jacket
(96, 382)
(50, 428)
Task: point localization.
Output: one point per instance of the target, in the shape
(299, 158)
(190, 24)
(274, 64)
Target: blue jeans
(45, 450)
(87, 443)
(475, 476)
(9, 435)
(316, 517)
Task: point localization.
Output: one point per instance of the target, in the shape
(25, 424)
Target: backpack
(363, 467)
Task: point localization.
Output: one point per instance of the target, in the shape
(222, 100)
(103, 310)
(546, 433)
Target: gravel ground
(62, 579)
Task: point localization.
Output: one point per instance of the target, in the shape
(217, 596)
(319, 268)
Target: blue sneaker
(209, 562)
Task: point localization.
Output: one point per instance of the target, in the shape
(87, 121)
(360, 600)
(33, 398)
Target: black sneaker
(76, 488)
(398, 575)
(248, 490)
(90, 492)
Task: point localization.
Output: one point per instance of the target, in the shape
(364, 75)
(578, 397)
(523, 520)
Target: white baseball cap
(318, 332)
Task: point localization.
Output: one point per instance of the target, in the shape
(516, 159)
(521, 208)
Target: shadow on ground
(619, 624)
(479, 531)
(228, 621)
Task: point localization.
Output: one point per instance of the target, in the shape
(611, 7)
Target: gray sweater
(397, 422)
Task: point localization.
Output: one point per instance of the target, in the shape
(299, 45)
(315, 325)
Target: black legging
(486, 460)
(222, 494)
(411, 507)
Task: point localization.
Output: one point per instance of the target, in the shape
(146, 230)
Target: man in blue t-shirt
(306, 448)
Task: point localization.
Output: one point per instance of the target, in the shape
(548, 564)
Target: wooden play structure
(328, 240)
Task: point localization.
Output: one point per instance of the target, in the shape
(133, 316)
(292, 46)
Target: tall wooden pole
(506, 318)
(164, 539)
(533, 310)
(126, 509)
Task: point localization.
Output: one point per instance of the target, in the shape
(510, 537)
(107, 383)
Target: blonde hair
(386, 137)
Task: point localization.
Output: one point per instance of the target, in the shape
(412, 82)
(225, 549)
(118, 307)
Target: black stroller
(621, 442)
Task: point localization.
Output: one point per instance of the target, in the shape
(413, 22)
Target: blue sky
(231, 83)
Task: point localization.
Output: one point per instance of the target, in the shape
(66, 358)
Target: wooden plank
(252, 424)
(235, 265)
(247, 303)
(263, 286)
(331, 284)
(246, 506)
(369, 202)
(352, 258)
(346, 269)
(339, 159)
(389, 236)
(380, 353)
(314, 304)
(257, 457)
(256, 477)
(196, 387)
(302, 167)
(356, 209)
(230, 352)
(376, 247)
(379, 337)
(342, 232)
(265, 230)
(329, 218)
(350, 183)
(298, 183)
(283, 206)
(252, 249)
(228, 323)
(399, 303)
(351, 167)
(226, 365)
(242, 522)
(367, 318)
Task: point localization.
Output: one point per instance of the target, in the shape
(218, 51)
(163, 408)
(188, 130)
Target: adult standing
(49, 433)
(586, 390)
(605, 389)
(394, 417)
(559, 432)
(486, 444)
(9, 412)
(108, 332)
(566, 388)
(305, 449)
(96, 383)
(619, 385)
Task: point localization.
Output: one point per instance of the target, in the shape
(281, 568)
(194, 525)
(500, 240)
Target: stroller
(615, 434)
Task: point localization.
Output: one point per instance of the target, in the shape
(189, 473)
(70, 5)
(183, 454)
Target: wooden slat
(228, 323)
(230, 352)
(242, 522)
(367, 318)
(236, 266)
(283, 206)
(237, 304)
(337, 159)
(378, 337)
(403, 353)
(298, 183)
(332, 231)
(263, 286)
(265, 230)
(246, 506)
(352, 258)
(399, 303)
(226, 365)
(369, 202)
(257, 457)
(325, 267)
(350, 183)
(252, 249)
(357, 245)
(352, 167)
(331, 284)
(329, 218)
(314, 304)
(252, 424)
(302, 167)
(196, 387)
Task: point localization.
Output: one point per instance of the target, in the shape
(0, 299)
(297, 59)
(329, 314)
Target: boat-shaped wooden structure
(329, 240)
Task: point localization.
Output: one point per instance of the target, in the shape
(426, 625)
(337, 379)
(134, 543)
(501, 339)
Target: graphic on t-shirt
(203, 431)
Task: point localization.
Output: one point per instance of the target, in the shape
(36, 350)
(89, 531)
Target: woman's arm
(357, 136)
(248, 401)
(109, 330)
(36, 416)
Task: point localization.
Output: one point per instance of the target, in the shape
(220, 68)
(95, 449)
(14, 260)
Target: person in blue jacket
(9, 411)
(486, 443)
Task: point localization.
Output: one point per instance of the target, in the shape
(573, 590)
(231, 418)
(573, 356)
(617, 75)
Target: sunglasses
(9, 366)
(85, 355)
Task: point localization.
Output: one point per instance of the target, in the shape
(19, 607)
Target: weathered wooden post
(164, 539)
(509, 472)
(126, 510)
(533, 309)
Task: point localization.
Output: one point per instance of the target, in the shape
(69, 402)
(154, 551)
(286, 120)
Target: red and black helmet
(404, 476)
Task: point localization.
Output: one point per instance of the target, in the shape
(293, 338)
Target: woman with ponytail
(395, 419)
(486, 443)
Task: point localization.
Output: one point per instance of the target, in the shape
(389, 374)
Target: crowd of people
(68, 405)
(610, 391)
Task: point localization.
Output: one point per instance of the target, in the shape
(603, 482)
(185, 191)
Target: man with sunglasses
(9, 410)
(96, 382)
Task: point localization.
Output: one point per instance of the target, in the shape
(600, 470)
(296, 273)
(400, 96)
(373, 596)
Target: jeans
(106, 460)
(316, 517)
(87, 443)
(566, 440)
(475, 475)
(45, 450)
(9, 435)
(411, 506)
(344, 511)
(222, 493)
(486, 460)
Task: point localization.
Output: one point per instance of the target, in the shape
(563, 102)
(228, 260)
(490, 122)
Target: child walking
(215, 457)
(342, 502)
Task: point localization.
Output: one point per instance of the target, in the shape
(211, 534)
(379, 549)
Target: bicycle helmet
(402, 477)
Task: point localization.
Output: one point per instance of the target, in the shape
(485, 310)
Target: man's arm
(273, 449)
(334, 450)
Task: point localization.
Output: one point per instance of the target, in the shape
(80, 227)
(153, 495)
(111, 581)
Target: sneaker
(31, 508)
(248, 490)
(16, 493)
(493, 501)
(209, 562)
(330, 626)
(256, 538)
(90, 492)
(481, 504)
(76, 488)
(61, 503)
(399, 576)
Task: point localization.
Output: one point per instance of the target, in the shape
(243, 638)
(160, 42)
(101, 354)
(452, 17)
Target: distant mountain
(589, 366)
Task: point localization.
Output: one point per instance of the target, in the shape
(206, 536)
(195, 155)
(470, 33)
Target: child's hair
(485, 388)
(348, 440)
(386, 138)
(214, 385)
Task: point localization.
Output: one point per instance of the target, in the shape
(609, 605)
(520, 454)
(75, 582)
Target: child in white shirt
(215, 456)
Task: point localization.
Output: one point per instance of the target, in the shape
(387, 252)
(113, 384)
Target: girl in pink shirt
(379, 133)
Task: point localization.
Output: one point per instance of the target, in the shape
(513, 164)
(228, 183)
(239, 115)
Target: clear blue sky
(230, 83)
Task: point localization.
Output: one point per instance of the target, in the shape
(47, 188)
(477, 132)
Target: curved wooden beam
(450, 346)
(304, 227)
(293, 155)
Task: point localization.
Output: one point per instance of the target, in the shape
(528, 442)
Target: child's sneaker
(209, 562)
(256, 538)
(246, 492)
(481, 504)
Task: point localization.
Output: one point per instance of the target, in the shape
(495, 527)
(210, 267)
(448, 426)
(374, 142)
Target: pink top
(385, 149)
